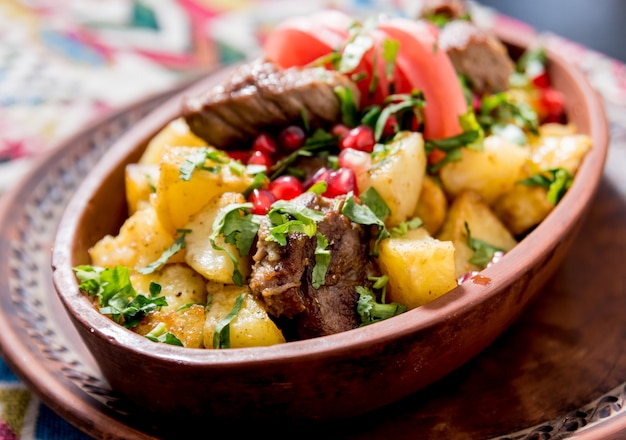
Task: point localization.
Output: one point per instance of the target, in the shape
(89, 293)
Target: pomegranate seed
(265, 143)
(360, 138)
(286, 187)
(542, 80)
(291, 138)
(391, 127)
(552, 103)
(320, 175)
(260, 158)
(340, 130)
(240, 155)
(261, 200)
(340, 182)
(357, 161)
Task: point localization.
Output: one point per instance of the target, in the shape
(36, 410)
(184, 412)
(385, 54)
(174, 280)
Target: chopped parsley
(239, 228)
(370, 310)
(197, 161)
(221, 335)
(404, 227)
(116, 295)
(286, 217)
(556, 180)
(322, 260)
(160, 334)
(483, 251)
(365, 214)
(167, 253)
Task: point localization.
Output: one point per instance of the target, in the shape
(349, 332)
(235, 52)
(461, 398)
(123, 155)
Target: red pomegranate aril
(552, 102)
(291, 138)
(265, 143)
(260, 158)
(339, 130)
(340, 182)
(320, 175)
(240, 155)
(286, 187)
(261, 200)
(391, 127)
(357, 161)
(359, 138)
(542, 80)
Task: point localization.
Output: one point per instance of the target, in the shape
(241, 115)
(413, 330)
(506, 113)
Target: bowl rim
(456, 302)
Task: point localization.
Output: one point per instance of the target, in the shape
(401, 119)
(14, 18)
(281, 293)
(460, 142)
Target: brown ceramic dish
(330, 377)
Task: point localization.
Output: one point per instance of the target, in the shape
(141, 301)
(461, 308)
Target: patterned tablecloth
(64, 63)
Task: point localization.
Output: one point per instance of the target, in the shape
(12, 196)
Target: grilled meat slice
(260, 96)
(478, 54)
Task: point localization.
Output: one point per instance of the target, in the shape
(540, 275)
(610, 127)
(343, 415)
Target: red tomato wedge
(430, 70)
(298, 41)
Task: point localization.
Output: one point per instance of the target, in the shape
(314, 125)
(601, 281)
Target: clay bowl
(330, 377)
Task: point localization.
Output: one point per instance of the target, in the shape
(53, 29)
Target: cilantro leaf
(375, 203)
(483, 251)
(406, 226)
(372, 311)
(197, 161)
(364, 215)
(221, 335)
(556, 180)
(167, 253)
(322, 260)
(116, 295)
(235, 223)
(286, 217)
(160, 334)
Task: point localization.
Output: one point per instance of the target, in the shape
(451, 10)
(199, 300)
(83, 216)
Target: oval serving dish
(334, 376)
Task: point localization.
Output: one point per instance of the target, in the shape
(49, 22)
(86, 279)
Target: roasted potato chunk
(491, 172)
(174, 134)
(213, 264)
(178, 199)
(432, 206)
(420, 267)
(252, 327)
(140, 185)
(470, 208)
(141, 240)
(397, 176)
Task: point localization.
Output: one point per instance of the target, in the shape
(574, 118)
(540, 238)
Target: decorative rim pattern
(28, 276)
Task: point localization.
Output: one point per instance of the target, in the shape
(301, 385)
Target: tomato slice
(430, 70)
(298, 41)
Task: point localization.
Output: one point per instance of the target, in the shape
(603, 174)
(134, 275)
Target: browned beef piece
(260, 96)
(281, 275)
(477, 54)
(450, 9)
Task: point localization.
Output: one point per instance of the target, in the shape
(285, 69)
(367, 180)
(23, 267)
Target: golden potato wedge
(523, 207)
(397, 176)
(469, 207)
(560, 151)
(141, 240)
(174, 134)
(177, 199)
(491, 172)
(141, 183)
(432, 205)
(252, 327)
(187, 325)
(180, 285)
(213, 264)
(420, 267)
